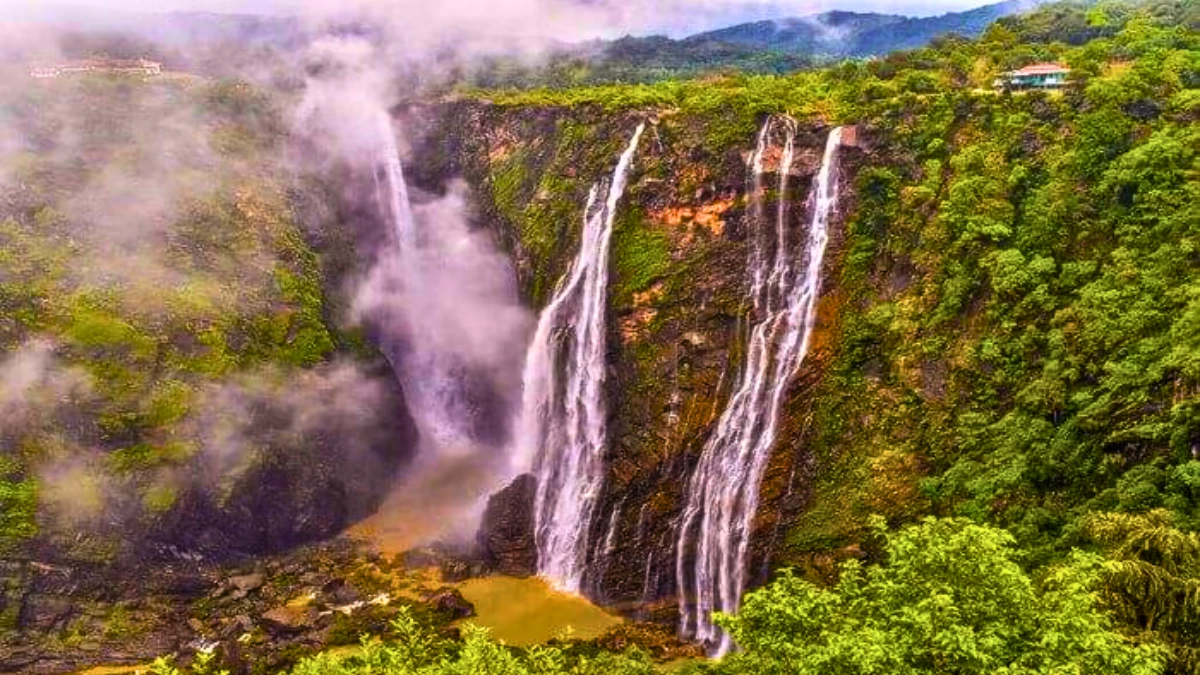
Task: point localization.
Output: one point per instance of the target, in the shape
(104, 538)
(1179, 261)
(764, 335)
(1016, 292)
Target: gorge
(771, 369)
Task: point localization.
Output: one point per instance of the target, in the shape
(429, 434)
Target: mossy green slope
(149, 252)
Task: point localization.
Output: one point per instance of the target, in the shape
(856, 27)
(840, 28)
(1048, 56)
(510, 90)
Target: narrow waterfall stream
(400, 208)
(432, 377)
(444, 304)
(722, 496)
(562, 426)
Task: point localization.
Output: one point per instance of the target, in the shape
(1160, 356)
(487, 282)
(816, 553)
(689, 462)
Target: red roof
(1041, 69)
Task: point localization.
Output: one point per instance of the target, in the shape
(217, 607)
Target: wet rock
(659, 641)
(184, 584)
(422, 557)
(246, 583)
(451, 603)
(45, 613)
(505, 537)
(296, 488)
(284, 619)
(461, 570)
(339, 592)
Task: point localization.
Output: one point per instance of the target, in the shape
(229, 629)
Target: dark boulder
(450, 603)
(284, 620)
(308, 456)
(505, 538)
(46, 612)
(340, 592)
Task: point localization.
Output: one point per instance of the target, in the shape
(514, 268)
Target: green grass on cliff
(1013, 314)
(640, 255)
(148, 249)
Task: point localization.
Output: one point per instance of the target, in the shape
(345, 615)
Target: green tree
(1153, 581)
(950, 598)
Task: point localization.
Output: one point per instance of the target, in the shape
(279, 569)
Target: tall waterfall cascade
(722, 495)
(432, 378)
(562, 427)
(399, 207)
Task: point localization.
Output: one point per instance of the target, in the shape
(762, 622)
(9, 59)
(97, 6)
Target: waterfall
(400, 209)
(722, 495)
(562, 423)
(429, 378)
(433, 278)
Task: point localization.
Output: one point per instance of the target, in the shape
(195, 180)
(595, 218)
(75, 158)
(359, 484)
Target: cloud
(333, 405)
(34, 387)
(454, 327)
(432, 26)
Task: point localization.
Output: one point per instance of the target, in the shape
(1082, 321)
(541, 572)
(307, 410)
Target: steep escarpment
(677, 301)
(982, 350)
(176, 380)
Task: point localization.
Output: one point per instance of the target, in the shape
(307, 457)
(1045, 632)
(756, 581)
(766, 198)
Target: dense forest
(1002, 447)
(1017, 371)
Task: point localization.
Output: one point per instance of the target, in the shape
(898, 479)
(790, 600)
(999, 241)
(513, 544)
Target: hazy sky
(720, 10)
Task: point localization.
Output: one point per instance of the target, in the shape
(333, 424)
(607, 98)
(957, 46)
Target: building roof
(1041, 69)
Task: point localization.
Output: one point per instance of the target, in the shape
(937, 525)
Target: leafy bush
(950, 597)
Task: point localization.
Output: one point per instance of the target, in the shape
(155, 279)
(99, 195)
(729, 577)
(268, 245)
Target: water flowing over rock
(451, 320)
(722, 498)
(399, 206)
(562, 424)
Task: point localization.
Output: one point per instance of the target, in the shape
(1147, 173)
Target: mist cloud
(269, 408)
(595, 18)
(34, 386)
(454, 327)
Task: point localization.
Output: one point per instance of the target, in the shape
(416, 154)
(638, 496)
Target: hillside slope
(841, 33)
(158, 298)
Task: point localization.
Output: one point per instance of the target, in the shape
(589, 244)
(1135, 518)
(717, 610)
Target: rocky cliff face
(177, 387)
(505, 537)
(677, 302)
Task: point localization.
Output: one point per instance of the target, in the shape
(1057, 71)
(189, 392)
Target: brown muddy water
(441, 501)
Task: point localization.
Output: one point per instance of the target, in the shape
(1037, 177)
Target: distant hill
(775, 46)
(230, 44)
(839, 33)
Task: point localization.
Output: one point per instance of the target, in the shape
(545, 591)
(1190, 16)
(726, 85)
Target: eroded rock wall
(677, 300)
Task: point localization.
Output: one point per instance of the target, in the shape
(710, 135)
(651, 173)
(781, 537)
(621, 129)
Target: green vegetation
(18, 505)
(1153, 583)
(950, 596)
(148, 250)
(640, 255)
(1029, 289)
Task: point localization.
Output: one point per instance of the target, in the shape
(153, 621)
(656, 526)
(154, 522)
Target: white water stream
(722, 497)
(562, 427)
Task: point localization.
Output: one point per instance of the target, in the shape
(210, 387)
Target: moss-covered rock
(676, 298)
(175, 365)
